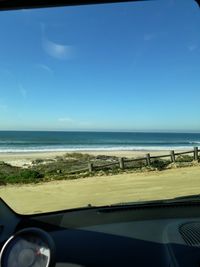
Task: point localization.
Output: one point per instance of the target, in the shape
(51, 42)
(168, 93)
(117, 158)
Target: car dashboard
(128, 235)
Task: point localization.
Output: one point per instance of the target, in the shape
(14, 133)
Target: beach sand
(99, 190)
(23, 159)
(102, 190)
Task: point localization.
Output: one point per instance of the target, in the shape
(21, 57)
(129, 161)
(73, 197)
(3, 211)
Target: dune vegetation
(75, 165)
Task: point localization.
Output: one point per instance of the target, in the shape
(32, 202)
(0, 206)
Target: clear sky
(127, 67)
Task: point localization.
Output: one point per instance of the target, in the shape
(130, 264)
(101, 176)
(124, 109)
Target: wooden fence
(121, 163)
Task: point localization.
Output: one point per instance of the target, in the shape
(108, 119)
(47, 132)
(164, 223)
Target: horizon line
(108, 131)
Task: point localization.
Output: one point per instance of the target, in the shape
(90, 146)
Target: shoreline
(21, 159)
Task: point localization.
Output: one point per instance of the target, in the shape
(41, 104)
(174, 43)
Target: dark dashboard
(133, 235)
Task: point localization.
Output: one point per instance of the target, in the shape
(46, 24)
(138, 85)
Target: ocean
(32, 141)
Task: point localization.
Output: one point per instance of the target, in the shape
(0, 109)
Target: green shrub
(2, 179)
(139, 164)
(184, 158)
(78, 156)
(23, 176)
(160, 164)
(30, 174)
(37, 161)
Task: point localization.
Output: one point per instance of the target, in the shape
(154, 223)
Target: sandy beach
(102, 190)
(98, 190)
(22, 159)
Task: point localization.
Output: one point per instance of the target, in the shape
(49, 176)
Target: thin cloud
(58, 51)
(66, 119)
(45, 68)
(22, 91)
(71, 122)
(192, 47)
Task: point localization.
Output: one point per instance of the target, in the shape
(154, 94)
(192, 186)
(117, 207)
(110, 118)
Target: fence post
(172, 156)
(121, 163)
(195, 153)
(90, 166)
(148, 159)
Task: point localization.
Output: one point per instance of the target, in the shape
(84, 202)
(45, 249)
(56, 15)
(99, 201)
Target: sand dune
(22, 159)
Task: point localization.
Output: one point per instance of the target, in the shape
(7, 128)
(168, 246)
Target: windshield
(99, 104)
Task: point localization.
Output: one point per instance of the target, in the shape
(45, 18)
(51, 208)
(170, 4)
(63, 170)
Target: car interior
(149, 233)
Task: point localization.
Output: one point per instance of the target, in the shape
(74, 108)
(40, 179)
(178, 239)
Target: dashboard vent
(191, 233)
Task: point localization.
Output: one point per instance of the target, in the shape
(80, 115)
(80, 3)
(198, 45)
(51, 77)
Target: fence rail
(183, 153)
(121, 163)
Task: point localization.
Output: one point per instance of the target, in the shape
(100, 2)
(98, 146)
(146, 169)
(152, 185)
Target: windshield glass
(99, 104)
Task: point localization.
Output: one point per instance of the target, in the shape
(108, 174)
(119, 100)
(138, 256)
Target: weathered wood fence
(121, 163)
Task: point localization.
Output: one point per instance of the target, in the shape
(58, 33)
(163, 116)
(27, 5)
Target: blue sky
(121, 67)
